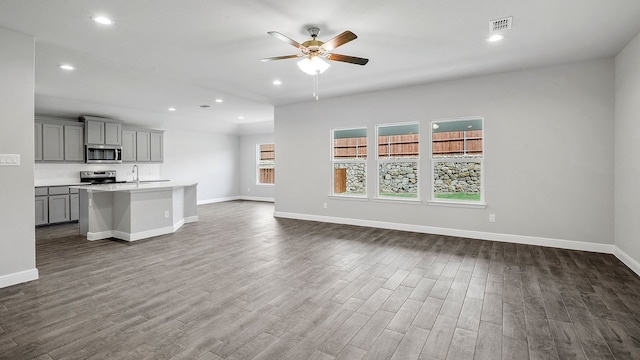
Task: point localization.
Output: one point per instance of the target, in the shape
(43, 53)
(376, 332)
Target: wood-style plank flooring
(240, 284)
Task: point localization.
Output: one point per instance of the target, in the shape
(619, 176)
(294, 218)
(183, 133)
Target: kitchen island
(134, 211)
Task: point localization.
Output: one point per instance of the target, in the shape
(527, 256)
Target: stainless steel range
(99, 177)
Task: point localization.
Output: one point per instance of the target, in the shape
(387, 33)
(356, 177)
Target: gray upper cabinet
(58, 140)
(112, 133)
(156, 147)
(52, 142)
(142, 146)
(73, 143)
(99, 131)
(128, 145)
(94, 132)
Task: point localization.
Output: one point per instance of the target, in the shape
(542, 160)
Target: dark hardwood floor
(240, 284)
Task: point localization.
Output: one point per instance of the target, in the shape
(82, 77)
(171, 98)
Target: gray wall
(207, 158)
(548, 152)
(248, 187)
(627, 150)
(17, 235)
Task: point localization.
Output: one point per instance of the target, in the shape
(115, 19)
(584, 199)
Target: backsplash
(61, 173)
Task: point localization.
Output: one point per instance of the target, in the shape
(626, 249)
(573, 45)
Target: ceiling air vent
(500, 24)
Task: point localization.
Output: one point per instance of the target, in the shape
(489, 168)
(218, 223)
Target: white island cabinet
(136, 211)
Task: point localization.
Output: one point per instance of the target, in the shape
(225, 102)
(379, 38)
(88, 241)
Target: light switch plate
(9, 159)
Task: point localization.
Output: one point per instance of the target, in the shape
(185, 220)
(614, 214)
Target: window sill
(349, 197)
(414, 201)
(457, 204)
(260, 184)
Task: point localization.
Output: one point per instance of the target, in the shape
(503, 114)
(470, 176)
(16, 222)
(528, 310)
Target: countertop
(46, 183)
(133, 187)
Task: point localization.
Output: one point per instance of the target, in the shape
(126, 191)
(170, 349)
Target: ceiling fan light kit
(315, 51)
(313, 65)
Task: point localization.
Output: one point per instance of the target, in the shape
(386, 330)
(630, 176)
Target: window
(398, 159)
(350, 162)
(266, 172)
(457, 160)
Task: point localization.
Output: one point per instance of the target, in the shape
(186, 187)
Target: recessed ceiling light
(240, 117)
(66, 67)
(277, 82)
(172, 109)
(495, 38)
(218, 100)
(102, 20)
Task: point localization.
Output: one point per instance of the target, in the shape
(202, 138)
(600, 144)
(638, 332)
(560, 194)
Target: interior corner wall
(249, 189)
(210, 159)
(548, 154)
(17, 221)
(627, 151)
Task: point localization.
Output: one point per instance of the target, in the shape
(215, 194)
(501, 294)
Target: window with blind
(266, 162)
(457, 160)
(398, 157)
(349, 162)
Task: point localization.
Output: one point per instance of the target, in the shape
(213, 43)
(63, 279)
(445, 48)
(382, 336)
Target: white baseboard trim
(257, 198)
(627, 260)
(217, 200)
(18, 277)
(518, 239)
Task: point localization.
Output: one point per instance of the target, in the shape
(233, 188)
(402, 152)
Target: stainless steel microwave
(103, 154)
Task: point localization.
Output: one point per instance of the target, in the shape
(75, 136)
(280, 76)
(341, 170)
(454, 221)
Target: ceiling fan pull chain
(315, 84)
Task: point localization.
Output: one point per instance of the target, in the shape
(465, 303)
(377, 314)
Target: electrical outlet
(492, 217)
(166, 213)
(324, 205)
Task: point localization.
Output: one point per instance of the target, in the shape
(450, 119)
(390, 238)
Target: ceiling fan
(314, 50)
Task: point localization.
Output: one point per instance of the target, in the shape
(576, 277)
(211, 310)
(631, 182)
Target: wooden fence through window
(394, 146)
(457, 142)
(267, 176)
(350, 148)
(267, 152)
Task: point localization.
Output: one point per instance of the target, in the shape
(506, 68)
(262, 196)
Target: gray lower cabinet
(56, 204)
(74, 207)
(42, 206)
(59, 209)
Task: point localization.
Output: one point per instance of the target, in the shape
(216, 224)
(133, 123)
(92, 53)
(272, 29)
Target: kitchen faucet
(137, 171)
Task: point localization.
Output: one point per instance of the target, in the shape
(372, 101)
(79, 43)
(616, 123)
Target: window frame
(258, 159)
(456, 202)
(378, 161)
(335, 161)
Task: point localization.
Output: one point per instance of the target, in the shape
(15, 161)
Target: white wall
(17, 235)
(208, 158)
(248, 187)
(627, 152)
(548, 155)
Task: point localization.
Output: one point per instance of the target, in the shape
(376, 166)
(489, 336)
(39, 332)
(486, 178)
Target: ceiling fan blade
(282, 57)
(339, 40)
(347, 59)
(286, 39)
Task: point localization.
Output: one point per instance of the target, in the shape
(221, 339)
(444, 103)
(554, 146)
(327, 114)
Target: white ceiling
(182, 54)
